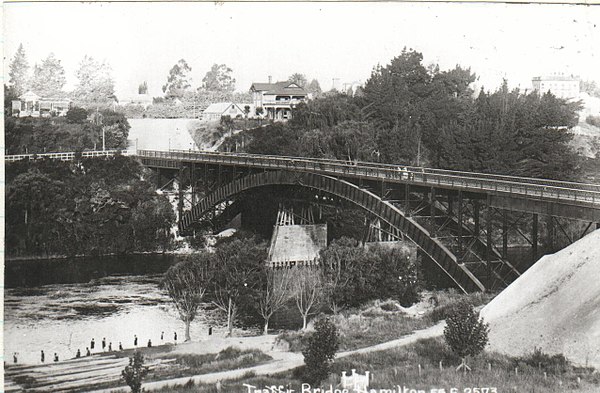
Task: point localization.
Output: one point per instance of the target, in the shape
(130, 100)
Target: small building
(558, 84)
(277, 99)
(31, 104)
(215, 111)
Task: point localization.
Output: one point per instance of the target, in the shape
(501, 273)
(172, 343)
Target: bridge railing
(478, 175)
(547, 189)
(68, 156)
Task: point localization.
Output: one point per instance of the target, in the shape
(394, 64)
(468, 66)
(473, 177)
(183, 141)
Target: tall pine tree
(18, 69)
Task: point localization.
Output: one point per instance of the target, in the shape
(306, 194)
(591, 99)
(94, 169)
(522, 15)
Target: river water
(58, 306)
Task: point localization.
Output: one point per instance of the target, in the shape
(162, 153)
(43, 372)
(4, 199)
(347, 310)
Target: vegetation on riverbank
(92, 206)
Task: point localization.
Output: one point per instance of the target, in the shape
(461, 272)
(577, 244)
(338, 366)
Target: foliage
(354, 275)
(314, 88)
(553, 364)
(219, 79)
(590, 87)
(236, 267)
(186, 283)
(95, 84)
(299, 79)
(135, 372)
(17, 73)
(465, 333)
(48, 78)
(143, 88)
(179, 80)
(320, 351)
(274, 294)
(76, 114)
(88, 207)
(593, 120)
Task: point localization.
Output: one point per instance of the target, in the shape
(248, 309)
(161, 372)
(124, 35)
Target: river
(59, 305)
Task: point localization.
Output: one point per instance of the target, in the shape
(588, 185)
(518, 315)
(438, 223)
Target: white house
(215, 111)
(31, 104)
(277, 99)
(558, 84)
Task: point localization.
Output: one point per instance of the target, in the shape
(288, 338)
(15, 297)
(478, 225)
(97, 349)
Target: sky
(336, 43)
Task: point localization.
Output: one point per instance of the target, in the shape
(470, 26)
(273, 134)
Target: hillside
(555, 305)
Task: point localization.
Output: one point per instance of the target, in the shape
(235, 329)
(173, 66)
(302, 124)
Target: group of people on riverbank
(106, 347)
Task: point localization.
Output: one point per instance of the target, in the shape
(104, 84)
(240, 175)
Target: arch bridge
(463, 221)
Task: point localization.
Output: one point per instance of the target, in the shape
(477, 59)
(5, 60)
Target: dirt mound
(555, 305)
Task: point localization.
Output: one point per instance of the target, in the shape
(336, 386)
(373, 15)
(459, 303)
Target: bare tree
(307, 291)
(186, 283)
(275, 293)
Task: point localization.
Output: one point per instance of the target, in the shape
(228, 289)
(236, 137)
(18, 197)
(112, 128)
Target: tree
(314, 88)
(18, 69)
(186, 283)
(135, 372)
(320, 351)
(307, 291)
(237, 267)
(299, 79)
(143, 88)
(95, 82)
(48, 78)
(77, 115)
(465, 333)
(219, 79)
(179, 80)
(274, 294)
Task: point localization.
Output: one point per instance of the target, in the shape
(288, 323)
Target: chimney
(270, 78)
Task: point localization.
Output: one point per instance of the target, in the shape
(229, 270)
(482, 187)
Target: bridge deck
(578, 194)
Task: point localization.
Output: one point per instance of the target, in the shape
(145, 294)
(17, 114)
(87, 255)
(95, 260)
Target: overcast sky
(142, 41)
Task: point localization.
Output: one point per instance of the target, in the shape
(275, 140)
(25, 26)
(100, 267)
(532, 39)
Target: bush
(320, 351)
(77, 115)
(465, 333)
(552, 364)
(593, 120)
(135, 372)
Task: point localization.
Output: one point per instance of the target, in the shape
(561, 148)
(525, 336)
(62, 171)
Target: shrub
(135, 372)
(320, 351)
(593, 120)
(77, 115)
(553, 364)
(465, 333)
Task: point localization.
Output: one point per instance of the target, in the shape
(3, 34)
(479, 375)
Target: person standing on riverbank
(135, 340)
(92, 344)
(120, 346)
(162, 335)
(110, 347)
(87, 352)
(43, 357)
(55, 357)
(15, 358)
(78, 354)
(103, 343)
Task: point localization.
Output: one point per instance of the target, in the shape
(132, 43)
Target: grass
(399, 366)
